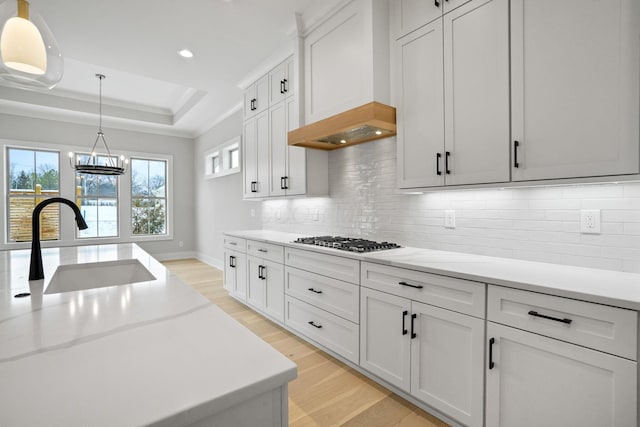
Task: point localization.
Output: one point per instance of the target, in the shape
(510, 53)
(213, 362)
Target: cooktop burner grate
(347, 243)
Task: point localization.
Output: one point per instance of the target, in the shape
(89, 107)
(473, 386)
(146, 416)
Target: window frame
(168, 197)
(223, 153)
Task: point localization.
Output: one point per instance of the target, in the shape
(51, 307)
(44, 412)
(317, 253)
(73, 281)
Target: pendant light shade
(100, 164)
(29, 54)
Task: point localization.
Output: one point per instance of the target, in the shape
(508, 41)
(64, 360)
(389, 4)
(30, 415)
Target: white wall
(220, 204)
(539, 224)
(64, 136)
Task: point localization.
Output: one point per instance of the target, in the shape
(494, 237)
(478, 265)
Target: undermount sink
(79, 277)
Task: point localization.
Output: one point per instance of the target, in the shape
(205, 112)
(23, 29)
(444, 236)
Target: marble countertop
(149, 353)
(600, 286)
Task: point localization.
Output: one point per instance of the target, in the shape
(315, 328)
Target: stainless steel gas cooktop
(347, 243)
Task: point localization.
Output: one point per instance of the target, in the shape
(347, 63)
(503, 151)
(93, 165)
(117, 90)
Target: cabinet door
(539, 381)
(420, 103)
(476, 93)
(385, 339)
(249, 157)
(278, 149)
(249, 96)
(274, 289)
(256, 288)
(296, 182)
(262, 94)
(281, 82)
(240, 263)
(409, 15)
(230, 271)
(447, 362)
(575, 88)
(262, 158)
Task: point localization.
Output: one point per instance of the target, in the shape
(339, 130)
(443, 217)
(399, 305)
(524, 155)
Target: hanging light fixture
(29, 55)
(92, 165)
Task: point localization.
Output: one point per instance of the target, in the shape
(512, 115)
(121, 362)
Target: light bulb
(22, 47)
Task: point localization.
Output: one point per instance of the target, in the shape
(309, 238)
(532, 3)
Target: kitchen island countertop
(149, 353)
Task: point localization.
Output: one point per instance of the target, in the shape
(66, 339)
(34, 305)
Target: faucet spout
(36, 270)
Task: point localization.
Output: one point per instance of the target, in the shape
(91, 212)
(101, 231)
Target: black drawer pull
(411, 286)
(315, 291)
(254, 186)
(413, 317)
(438, 172)
(491, 342)
(233, 243)
(314, 325)
(556, 319)
(516, 144)
(282, 86)
(262, 250)
(232, 261)
(404, 328)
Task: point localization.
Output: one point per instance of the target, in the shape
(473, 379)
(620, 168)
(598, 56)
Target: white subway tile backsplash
(535, 223)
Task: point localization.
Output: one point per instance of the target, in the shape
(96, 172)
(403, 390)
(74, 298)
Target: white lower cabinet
(437, 355)
(266, 287)
(536, 381)
(235, 274)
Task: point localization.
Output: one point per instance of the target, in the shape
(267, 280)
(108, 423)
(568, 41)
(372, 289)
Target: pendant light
(91, 166)
(29, 55)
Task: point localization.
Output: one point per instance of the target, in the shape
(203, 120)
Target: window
(97, 197)
(33, 175)
(148, 197)
(223, 160)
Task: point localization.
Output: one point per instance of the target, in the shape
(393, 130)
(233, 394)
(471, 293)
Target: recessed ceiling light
(185, 53)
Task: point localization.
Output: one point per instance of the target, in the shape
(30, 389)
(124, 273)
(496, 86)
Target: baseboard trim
(213, 262)
(170, 256)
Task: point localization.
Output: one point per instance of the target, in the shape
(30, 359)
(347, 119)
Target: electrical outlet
(181, 243)
(590, 221)
(449, 219)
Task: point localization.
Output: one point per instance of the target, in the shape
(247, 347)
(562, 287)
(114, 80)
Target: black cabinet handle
(413, 317)
(264, 271)
(491, 342)
(315, 291)
(314, 325)
(232, 261)
(259, 272)
(262, 250)
(283, 185)
(281, 86)
(253, 104)
(254, 186)
(404, 328)
(285, 86)
(516, 144)
(410, 285)
(438, 155)
(446, 162)
(556, 319)
(233, 243)
(437, 3)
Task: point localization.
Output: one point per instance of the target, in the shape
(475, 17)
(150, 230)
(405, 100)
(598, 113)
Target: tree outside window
(148, 197)
(33, 177)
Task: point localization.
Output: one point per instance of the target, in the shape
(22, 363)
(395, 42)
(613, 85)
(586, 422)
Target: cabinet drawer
(267, 251)
(463, 296)
(609, 329)
(235, 243)
(331, 331)
(340, 268)
(335, 296)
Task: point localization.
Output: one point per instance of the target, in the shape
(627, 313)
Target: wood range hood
(361, 124)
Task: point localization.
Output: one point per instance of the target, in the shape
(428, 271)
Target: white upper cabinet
(256, 98)
(420, 107)
(575, 88)
(346, 60)
(452, 95)
(409, 15)
(256, 151)
(281, 82)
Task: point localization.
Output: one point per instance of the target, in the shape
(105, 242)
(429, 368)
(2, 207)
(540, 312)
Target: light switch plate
(590, 221)
(449, 219)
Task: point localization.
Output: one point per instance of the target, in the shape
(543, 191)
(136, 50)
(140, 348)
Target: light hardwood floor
(326, 392)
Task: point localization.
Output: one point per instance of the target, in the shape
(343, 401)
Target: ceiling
(148, 86)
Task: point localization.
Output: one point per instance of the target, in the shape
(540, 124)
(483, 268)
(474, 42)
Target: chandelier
(92, 166)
